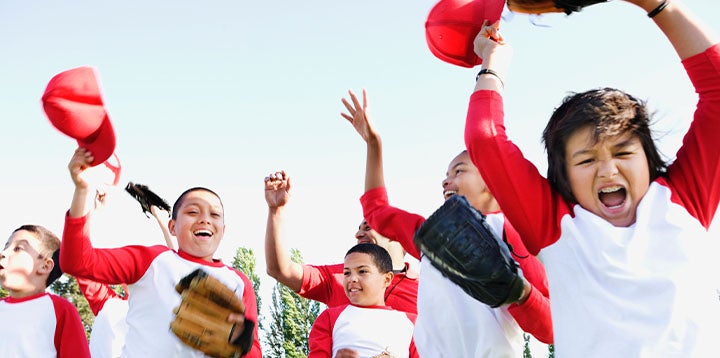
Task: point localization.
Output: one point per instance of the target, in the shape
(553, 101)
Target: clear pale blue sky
(221, 93)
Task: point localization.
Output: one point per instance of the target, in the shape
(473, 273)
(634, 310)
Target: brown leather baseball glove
(201, 319)
(549, 6)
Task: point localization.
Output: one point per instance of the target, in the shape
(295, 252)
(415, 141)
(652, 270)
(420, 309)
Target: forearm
(278, 260)
(687, 34)
(79, 206)
(374, 173)
(533, 316)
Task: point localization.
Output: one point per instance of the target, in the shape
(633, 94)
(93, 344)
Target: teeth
(611, 189)
(203, 232)
(449, 193)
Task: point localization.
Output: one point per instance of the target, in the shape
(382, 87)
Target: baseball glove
(146, 198)
(201, 319)
(547, 6)
(460, 244)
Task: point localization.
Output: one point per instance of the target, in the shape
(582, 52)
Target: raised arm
(280, 266)
(358, 116)
(79, 163)
(155, 211)
(687, 34)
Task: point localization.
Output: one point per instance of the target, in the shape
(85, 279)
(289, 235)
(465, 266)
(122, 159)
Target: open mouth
(612, 196)
(448, 193)
(206, 234)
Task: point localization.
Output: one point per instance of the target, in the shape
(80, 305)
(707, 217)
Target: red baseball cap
(73, 104)
(452, 25)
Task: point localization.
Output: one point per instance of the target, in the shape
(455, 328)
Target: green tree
(67, 287)
(244, 261)
(526, 350)
(291, 319)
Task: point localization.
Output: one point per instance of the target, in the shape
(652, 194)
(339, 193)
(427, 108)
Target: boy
(36, 323)
(624, 237)
(323, 283)
(152, 272)
(366, 327)
(110, 309)
(464, 327)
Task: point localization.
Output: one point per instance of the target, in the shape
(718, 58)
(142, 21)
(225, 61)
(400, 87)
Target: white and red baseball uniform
(368, 330)
(42, 325)
(645, 290)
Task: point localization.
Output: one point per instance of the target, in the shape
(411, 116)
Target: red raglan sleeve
(95, 293)
(112, 266)
(320, 339)
(693, 176)
(391, 222)
(323, 283)
(533, 316)
(251, 314)
(70, 339)
(413, 351)
(524, 195)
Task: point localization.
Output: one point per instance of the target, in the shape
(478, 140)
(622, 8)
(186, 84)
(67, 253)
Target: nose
(607, 169)
(445, 182)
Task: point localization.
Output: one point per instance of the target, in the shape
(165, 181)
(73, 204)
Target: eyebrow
(357, 267)
(455, 166)
(622, 144)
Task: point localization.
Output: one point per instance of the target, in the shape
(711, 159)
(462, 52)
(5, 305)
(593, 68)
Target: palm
(276, 195)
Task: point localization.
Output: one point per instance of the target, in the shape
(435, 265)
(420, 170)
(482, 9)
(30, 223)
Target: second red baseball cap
(73, 103)
(452, 25)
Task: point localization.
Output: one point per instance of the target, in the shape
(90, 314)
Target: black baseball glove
(460, 244)
(546, 6)
(146, 198)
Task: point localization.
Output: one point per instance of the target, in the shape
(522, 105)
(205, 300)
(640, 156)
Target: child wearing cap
(366, 327)
(153, 271)
(36, 323)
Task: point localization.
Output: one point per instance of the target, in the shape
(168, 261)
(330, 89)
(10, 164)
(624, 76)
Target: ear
(171, 227)
(388, 278)
(46, 266)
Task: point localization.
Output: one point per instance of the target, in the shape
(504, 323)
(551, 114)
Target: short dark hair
(49, 248)
(610, 112)
(380, 256)
(182, 196)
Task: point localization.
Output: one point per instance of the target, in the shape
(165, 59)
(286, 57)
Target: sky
(221, 93)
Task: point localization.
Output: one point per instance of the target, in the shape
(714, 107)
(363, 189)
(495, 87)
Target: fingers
(365, 100)
(277, 180)
(80, 161)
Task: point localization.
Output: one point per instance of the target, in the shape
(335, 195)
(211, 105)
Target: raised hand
(277, 189)
(79, 163)
(358, 116)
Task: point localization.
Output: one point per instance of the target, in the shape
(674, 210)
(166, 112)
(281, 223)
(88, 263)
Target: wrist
(527, 289)
(491, 73)
(657, 9)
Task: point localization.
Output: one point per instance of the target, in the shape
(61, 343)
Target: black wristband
(658, 9)
(487, 71)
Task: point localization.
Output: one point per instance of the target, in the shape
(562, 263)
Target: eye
(623, 154)
(585, 161)
(346, 273)
(363, 271)
(216, 215)
(17, 249)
